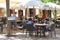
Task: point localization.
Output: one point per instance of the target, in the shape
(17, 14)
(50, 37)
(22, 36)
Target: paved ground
(21, 36)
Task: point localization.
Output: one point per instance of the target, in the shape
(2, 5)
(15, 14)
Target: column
(24, 12)
(37, 11)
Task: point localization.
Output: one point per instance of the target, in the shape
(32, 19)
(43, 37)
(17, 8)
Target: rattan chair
(52, 30)
(28, 29)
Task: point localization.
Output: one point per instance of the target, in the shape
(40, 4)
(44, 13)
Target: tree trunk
(8, 14)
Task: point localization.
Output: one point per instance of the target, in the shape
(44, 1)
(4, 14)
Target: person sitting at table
(24, 20)
(50, 25)
(30, 21)
(30, 25)
(15, 20)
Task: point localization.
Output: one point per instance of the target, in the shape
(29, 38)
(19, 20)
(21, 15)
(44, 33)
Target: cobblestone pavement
(21, 36)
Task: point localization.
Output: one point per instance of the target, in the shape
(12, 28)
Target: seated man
(30, 22)
(51, 23)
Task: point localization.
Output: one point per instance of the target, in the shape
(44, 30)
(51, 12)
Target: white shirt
(14, 16)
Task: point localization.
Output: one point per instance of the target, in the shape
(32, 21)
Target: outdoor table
(39, 26)
(10, 21)
(57, 20)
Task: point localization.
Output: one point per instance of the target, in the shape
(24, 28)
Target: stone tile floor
(21, 36)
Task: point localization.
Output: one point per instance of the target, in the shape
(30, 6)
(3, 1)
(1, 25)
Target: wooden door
(1, 13)
(20, 13)
(32, 12)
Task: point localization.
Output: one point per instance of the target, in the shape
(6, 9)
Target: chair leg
(26, 32)
(23, 30)
(36, 33)
(55, 33)
(50, 34)
(30, 33)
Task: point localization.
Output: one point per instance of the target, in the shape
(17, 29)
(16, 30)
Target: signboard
(11, 18)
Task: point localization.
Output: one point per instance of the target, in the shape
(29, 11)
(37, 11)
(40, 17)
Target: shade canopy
(34, 3)
(50, 5)
(57, 7)
(31, 4)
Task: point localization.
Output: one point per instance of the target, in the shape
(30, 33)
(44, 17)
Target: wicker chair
(52, 30)
(24, 26)
(29, 29)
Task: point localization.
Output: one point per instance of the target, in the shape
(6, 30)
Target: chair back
(29, 27)
(53, 27)
(24, 25)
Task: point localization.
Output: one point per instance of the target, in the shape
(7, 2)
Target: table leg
(44, 31)
(40, 31)
(37, 32)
